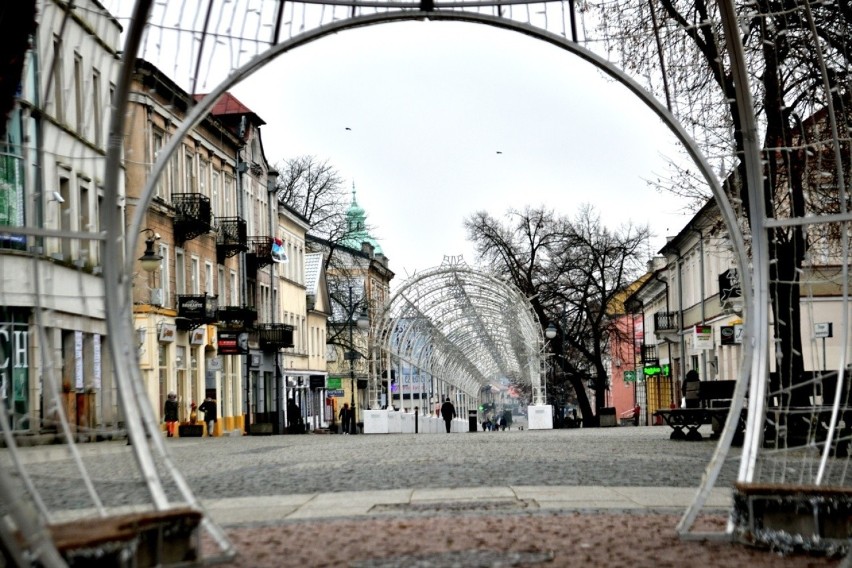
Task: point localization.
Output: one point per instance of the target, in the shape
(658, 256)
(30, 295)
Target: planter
(190, 430)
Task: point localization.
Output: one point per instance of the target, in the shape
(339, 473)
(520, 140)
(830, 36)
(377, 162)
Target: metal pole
(354, 418)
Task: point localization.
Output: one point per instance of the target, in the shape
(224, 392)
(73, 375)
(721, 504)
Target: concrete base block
(540, 417)
(375, 421)
(794, 518)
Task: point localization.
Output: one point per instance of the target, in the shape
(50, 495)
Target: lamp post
(362, 322)
(549, 333)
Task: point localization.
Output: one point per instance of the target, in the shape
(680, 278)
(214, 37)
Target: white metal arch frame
(546, 21)
(462, 327)
(293, 24)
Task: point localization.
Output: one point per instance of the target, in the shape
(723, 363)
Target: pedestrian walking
(691, 386)
(345, 418)
(448, 412)
(170, 414)
(208, 407)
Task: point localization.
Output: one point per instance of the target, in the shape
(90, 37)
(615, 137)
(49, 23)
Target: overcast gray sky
(433, 121)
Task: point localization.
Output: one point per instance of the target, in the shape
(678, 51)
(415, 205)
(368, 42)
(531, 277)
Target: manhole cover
(460, 559)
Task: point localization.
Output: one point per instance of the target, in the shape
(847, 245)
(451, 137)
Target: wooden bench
(715, 400)
(685, 422)
(137, 540)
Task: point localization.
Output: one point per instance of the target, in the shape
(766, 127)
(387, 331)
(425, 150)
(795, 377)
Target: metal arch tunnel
(463, 329)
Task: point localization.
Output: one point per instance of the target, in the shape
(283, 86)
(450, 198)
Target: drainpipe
(701, 291)
(241, 168)
(680, 315)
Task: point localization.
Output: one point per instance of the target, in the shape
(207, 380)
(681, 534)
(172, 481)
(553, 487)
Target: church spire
(356, 227)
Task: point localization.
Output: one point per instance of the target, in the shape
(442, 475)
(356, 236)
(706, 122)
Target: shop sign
(731, 334)
(197, 336)
(167, 333)
(233, 342)
(702, 337)
(729, 285)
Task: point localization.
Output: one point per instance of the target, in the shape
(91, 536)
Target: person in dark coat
(345, 418)
(690, 388)
(208, 407)
(170, 414)
(448, 412)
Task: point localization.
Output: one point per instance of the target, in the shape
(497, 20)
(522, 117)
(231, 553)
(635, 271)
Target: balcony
(649, 354)
(259, 253)
(232, 238)
(274, 336)
(666, 322)
(237, 316)
(192, 215)
(194, 310)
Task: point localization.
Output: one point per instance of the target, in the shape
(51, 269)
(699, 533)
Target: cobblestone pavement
(237, 466)
(481, 533)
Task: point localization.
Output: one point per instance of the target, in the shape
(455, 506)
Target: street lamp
(550, 332)
(150, 260)
(363, 322)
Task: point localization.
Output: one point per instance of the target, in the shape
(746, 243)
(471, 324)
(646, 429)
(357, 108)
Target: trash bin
(471, 421)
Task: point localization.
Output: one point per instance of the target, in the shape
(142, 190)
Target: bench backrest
(713, 393)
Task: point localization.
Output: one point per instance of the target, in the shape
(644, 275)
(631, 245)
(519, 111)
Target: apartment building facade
(52, 328)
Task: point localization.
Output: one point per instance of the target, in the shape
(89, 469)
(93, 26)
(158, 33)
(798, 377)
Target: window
(215, 190)
(195, 275)
(222, 292)
(225, 197)
(235, 298)
(164, 273)
(189, 172)
(97, 109)
(58, 87)
(78, 94)
(65, 218)
(208, 279)
(180, 272)
(204, 177)
(85, 218)
(158, 140)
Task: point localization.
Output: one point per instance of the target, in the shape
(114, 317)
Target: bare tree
(795, 74)
(315, 190)
(572, 269)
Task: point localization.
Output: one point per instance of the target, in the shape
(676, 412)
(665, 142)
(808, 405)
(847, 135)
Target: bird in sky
(347, 128)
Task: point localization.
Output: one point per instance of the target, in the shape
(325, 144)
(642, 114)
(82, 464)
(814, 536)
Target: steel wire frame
(455, 12)
(755, 360)
(463, 327)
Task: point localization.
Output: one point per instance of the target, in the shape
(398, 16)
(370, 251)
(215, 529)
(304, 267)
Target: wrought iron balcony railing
(237, 316)
(274, 336)
(259, 253)
(665, 322)
(232, 238)
(649, 354)
(192, 215)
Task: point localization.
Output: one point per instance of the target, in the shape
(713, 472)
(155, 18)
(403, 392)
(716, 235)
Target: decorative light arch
(463, 328)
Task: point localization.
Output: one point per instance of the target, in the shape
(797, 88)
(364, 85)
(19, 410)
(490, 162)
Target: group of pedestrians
(170, 414)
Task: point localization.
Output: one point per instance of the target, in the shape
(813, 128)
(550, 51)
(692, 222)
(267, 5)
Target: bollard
(416, 412)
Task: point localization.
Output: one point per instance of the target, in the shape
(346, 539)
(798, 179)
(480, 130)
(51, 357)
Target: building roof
(313, 269)
(229, 105)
